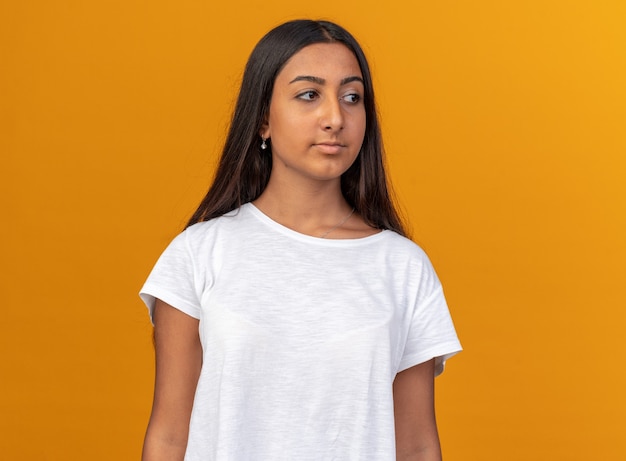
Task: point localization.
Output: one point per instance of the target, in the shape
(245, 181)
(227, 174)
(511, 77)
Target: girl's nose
(332, 117)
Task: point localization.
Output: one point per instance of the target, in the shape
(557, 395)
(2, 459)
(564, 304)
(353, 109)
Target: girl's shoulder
(404, 244)
(231, 224)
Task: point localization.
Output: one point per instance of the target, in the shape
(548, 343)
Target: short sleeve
(172, 279)
(431, 331)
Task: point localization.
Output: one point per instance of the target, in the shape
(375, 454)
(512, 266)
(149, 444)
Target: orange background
(505, 125)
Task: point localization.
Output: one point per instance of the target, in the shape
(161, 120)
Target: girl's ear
(264, 132)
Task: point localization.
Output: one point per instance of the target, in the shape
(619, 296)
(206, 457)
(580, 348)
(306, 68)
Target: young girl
(293, 319)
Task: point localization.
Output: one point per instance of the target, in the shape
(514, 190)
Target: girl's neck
(311, 210)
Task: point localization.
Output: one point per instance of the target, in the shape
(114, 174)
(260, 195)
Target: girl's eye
(352, 98)
(309, 95)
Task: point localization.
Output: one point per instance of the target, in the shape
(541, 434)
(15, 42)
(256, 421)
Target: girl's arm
(178, 361)
(414, 407)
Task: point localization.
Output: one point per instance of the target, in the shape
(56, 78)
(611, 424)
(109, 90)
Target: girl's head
(276, 48)
(244, 168)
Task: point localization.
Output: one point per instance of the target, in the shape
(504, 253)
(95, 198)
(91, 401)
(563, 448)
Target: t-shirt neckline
(276, 226)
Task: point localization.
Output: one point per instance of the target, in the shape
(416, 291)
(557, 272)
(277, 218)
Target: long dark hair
(244, 169)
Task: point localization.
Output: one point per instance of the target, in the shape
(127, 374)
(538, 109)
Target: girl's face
(317, 117)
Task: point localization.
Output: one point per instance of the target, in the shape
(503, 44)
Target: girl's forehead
(322, 58)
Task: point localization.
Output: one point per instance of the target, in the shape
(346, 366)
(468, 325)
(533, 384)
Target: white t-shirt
(302, 336)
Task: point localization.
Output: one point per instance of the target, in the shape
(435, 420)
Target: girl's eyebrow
(308, 78)
(321, 81)
(354, 78)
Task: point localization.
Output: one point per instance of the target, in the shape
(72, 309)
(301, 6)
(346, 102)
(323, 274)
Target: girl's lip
(329, 147)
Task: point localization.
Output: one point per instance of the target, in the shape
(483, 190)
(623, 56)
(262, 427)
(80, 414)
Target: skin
(178, 361)
(318, 96)
(316, 124)
(417, 438)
